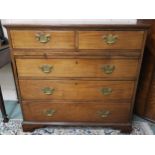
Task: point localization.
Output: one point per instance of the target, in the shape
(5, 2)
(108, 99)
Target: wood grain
(79, 112)
(78, 53)
(27, 39)
(150, 107)
(77, 68)
(76, 89)
(145, 99)
(145, 83)
(126, 40)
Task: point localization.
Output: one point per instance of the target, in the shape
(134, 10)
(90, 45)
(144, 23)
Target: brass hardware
(49, 112)
(48, 91)
(106, 91)
(46, 68)
(103, 113)
(110, 39)
(43, 38)
(108, 69)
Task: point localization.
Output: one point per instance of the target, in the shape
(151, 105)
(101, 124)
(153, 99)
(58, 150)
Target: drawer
(42, 39)
(76, 90)
(76, 112)
(104, 68)
(111, 39)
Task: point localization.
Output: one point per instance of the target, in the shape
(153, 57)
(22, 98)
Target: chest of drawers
(77, 74)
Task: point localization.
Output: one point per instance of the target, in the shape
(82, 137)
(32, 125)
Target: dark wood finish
(104, 53)
(145, 99)
(31, 126)
(74, 86)
(76, 112)
(99, 27)
(144, 83)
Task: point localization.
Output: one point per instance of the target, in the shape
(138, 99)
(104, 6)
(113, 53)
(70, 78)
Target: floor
(7, 83)
(14, 112)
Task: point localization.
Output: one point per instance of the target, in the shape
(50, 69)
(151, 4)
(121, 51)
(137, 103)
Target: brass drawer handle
(49, 112)
(106, 91)
(42, 37)
(46, 68)
(48, 91)
(108, 69)
(110, 38)
(103, 113)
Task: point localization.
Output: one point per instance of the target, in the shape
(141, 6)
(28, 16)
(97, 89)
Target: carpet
(13, 127)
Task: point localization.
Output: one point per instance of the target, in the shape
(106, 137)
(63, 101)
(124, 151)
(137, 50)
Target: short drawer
(52, 68)
(76, 90)
(111, 39)
(76, 112)
(34, 39)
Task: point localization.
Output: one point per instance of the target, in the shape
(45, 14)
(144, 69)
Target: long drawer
(111, 39)
(76, 112)
(76, 90)
(104, 68)
(42, 39)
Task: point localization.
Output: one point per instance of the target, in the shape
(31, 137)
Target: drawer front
(76, 112)
(106, 68)
(110, 39)
(76, 90)
(42, 39)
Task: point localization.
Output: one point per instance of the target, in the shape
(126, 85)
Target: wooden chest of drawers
(77, 74)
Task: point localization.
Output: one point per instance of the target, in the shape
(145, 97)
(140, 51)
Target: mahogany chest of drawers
(77, 74)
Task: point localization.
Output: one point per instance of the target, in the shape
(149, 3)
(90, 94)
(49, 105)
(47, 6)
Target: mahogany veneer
(77, 74)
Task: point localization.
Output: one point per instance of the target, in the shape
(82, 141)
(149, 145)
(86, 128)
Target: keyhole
(76, 62)
(45, 55)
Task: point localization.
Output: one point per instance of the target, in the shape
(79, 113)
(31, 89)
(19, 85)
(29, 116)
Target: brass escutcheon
(46, 68)
(108, 69)
(110, 38)
(103, 113)
(106, 91)
(42, 37)
(48, 90)
(49, 112)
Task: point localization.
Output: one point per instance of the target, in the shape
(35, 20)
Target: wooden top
(106, 24)
(68, 21)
